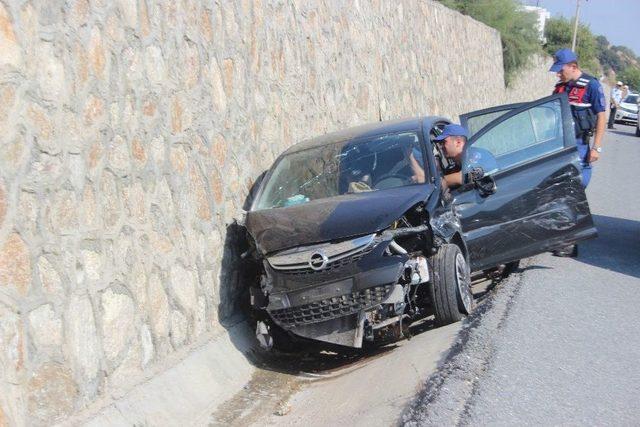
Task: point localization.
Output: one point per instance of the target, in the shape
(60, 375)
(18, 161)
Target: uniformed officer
(587, 101)
(453, 139)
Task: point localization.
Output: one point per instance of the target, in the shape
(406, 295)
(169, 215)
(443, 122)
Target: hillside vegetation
(520, 39)
(597, 55)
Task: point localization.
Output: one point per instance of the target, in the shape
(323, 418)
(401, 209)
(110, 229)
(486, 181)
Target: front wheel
(450, 285)
(638, 130)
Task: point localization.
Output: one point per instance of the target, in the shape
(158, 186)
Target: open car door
(538, 202)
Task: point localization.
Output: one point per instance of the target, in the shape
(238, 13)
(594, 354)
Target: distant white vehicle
(628, 110)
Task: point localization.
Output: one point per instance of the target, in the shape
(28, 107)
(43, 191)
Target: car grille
(331, 265)
(297, 261)
(331, 308)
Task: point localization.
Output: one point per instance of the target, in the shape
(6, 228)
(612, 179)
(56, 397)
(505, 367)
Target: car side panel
(539, 204)
(537, 207)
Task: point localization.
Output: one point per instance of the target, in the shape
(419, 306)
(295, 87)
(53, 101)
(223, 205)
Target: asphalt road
(558, 343)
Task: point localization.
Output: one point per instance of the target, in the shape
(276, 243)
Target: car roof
(367, 130)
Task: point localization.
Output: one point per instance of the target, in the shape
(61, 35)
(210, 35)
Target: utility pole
(575, 27)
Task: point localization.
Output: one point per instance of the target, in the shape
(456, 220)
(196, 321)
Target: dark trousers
(612, 116)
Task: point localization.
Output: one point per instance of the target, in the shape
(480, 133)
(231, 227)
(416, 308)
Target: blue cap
(562, 57)
(452, 130)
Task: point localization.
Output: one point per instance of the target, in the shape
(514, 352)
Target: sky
(617, 20)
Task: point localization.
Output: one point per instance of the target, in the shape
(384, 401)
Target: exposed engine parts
(418, 270)
(263, 335)
(380, 311)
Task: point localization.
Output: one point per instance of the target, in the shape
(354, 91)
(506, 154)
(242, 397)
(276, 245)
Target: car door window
(476, 120)
(474, 124)
(527, 135)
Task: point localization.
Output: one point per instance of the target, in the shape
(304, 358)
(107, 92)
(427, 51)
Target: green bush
(518, 28)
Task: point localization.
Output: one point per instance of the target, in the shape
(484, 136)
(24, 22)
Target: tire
(450, 285)
(638, 130)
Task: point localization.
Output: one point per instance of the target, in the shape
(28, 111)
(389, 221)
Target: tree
(610, 60)
(559, 32)
(602, 42)
(518, 28)
(631, 77)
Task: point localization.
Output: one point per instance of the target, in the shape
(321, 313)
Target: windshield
(352, 166)
(631, 99)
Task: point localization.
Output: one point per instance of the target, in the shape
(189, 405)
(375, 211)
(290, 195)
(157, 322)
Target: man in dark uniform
(588, 106)
(453, 139)
(587, 101)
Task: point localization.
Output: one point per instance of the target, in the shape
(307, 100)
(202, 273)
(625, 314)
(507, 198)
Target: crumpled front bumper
(338, 319)
(331, 306)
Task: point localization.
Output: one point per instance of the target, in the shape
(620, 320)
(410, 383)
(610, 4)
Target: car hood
(333, 218)
(628, 106)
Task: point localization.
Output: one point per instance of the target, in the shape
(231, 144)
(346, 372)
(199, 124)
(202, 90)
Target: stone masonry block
(52, 393)
(15, 264)
(46, 328)
(118, 326)
(82, 339)
(3, 203)
(11, 52)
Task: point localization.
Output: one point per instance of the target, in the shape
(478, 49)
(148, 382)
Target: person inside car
(453, 139)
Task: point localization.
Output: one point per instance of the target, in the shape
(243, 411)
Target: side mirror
(485, 184)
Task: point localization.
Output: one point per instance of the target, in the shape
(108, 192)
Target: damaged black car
(353, 236)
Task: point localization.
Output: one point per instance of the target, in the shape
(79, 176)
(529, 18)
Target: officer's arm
(600, 122)
(597, 100)
(453, 180)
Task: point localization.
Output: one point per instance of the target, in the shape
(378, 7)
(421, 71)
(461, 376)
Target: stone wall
(131, 132)
(534, 82)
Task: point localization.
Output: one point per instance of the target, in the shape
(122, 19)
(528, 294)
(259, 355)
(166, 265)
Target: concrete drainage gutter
(188, 392)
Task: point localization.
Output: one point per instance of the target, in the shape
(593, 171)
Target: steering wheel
(391, 176)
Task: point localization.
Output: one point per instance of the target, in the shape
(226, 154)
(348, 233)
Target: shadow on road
(617, 247)
(536, 267)
(322, 358)
(624, 130)
(632, 131)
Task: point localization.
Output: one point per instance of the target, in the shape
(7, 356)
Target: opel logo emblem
(318, 260)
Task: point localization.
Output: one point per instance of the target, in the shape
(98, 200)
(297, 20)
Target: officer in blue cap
(588, 106)
(454, 139)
